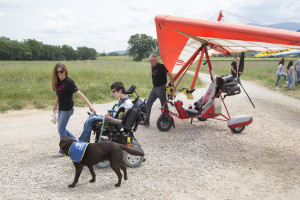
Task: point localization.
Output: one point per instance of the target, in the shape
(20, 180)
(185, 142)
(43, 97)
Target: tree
(36, 48)
(67, 52)
(141, 46)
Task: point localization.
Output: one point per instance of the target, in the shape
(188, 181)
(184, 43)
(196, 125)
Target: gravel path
(203, 160)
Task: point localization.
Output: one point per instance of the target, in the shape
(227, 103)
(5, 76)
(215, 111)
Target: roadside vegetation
(27, 84)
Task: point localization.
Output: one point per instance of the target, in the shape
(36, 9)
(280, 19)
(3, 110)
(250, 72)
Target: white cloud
(61, 21)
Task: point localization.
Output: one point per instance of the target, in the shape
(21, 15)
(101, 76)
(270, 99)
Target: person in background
(279, 72)
(290, 75)
(118, 91)
(65, 87)
(297, 67)
(234, 67)
(159, 80)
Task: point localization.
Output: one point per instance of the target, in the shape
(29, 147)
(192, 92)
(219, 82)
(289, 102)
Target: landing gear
(164, 122)
(238, 129)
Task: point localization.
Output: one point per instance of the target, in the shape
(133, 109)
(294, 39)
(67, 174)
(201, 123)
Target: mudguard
(238, 121)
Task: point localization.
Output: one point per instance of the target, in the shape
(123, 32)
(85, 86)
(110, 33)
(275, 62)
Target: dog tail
(131, 150)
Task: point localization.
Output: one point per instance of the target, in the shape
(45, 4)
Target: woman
(290, 75)
(279, 72)
(64, 87)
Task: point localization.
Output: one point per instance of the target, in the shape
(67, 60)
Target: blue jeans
(87, 128)
(298, 74)
(278, 78)
(63, 119)
(291, 81)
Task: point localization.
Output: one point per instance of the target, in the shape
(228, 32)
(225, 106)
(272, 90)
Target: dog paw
(92, 180)
(71, 186)
(117, 185)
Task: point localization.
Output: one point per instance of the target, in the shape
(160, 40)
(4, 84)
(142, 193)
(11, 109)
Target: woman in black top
(64, 87)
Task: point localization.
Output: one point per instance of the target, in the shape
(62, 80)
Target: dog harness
(77, 150)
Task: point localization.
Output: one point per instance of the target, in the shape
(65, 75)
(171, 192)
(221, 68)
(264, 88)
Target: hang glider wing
(178, 38)
(266, 54)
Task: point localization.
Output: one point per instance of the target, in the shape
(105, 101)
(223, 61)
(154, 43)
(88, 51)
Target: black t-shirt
(159, 76)
(64, 92)
(234, 64)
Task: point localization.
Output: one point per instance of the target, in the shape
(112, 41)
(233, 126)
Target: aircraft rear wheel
(164, 122)
(238, 129)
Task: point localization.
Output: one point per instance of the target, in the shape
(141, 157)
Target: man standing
(234, 67)
(159, 80)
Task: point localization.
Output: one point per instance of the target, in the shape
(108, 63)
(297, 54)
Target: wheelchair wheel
(103, 164)
(164, 122)
(131, 160)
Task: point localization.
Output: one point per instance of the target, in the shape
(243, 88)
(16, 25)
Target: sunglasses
(61, 71)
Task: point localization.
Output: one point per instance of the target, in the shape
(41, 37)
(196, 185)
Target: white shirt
(279, 69)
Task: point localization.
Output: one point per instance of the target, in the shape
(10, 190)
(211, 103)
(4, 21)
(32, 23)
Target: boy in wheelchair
(124, 104)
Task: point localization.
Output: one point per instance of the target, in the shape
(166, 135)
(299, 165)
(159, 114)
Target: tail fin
(132, 150)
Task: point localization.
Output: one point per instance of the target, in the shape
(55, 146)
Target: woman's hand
(55, 109)
(92, 109)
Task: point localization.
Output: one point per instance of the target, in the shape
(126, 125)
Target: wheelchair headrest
(131, 115)
(131, 89)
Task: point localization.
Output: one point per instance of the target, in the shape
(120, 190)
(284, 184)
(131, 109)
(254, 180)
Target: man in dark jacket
(159, 80)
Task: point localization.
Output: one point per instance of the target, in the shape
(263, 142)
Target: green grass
(27, 84)
(261, 70)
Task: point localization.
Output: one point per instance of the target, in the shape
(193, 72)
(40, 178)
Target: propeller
(240, 71)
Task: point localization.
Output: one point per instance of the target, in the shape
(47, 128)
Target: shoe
(58, 154)
(276, 88)
(146, 124)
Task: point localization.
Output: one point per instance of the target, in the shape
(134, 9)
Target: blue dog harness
(77, 150)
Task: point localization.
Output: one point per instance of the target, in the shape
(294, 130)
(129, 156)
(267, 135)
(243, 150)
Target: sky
(106, 25)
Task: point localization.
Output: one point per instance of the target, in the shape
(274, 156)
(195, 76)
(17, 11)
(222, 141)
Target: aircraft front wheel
(164, 122)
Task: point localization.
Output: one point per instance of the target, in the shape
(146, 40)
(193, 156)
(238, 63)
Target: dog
(96, 152)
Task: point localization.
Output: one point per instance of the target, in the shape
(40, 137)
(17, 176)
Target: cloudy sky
(106, 25)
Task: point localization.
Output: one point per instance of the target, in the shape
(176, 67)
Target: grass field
(27, 84)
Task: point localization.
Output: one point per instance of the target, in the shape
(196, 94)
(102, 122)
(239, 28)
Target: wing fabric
(178, 38)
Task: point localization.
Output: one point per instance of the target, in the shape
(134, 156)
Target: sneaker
(59, 154)
(276, 88)
(146, 124)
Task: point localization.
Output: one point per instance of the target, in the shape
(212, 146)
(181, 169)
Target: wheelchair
(111, 131)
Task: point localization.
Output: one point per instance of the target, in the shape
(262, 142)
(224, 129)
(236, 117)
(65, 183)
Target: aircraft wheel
(202, 119)
(164, 122)
(103, 164)
(131, 160)
(238, 129)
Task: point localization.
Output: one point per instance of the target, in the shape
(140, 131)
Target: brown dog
(100, 151)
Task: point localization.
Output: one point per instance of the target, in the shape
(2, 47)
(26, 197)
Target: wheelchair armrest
(113, 123)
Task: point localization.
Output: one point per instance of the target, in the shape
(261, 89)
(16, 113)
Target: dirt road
(203, 160)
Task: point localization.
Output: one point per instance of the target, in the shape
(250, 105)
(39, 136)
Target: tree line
(31, 49)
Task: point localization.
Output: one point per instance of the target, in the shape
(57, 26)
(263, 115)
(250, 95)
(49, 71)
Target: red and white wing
(178, 38)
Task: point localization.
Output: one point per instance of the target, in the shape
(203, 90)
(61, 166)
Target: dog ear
(62, 143)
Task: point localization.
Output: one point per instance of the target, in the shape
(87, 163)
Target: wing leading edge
(178, 38)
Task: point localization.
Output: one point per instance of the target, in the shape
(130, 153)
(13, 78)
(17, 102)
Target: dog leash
(99, 140)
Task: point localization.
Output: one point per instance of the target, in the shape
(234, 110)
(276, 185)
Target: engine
(227, 84)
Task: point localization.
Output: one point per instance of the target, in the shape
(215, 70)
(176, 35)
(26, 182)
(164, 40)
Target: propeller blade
(247, 94)
(241, 64)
